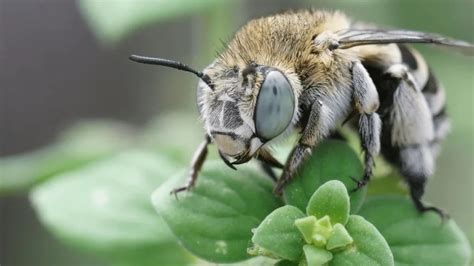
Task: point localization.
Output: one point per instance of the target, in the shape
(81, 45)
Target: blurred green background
(64, 61)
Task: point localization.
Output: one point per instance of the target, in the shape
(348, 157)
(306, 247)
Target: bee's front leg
(298, 155)
(314, 131)
(198, 160)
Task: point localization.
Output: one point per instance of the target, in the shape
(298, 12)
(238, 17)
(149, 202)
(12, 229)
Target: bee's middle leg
(315, 130)
(369, 131)
(366, 101)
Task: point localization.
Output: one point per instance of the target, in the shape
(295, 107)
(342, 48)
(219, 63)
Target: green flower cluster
(289, 234)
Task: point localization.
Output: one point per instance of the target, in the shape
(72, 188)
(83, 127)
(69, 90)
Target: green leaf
(323, 230)
(174, 126)
(279, 235)
(414, 238)
(113, 20)
(260, 261)
(369, 247)
(214, 220)
(391, 184)
(307, 226)
(339, 238)
(330, 199)
(286, 263)
(330, 160)
(316, 256)
(82, 143)
(104, 208)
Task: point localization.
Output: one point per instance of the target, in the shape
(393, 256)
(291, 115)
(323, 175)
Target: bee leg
(266, 157)
(267, 169)
(198, 160)
(415, 165)
(366, 101)
(417, 189)
(408, 133)
(298, 155)
(313, 133)
(267, 162)
(369, 131)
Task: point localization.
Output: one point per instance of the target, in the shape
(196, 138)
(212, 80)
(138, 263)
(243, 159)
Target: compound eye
(275, 106)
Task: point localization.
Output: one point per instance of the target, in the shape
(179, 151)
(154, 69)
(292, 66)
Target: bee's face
(246, 108)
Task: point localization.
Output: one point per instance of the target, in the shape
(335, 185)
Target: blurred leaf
(82, 143)
(387, 185)
(260, 261)
(330, 199)
(286, 263)
(214, 220)
(369, 247)
(414, 238)
(105, 208)
(279, 236)
(113, 20)
(175, 134)
(330, 160)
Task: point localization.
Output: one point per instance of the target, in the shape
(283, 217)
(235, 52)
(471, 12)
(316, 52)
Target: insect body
(310, 71)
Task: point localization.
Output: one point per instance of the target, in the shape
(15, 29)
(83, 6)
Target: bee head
(245, 107)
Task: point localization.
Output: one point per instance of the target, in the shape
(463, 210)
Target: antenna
(172, 64)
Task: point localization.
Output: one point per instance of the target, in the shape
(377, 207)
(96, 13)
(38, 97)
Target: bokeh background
(65, 61)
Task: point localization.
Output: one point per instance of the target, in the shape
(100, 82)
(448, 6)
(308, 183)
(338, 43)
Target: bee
(309, 72)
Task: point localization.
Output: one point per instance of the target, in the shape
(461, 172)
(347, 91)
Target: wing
(351, 38)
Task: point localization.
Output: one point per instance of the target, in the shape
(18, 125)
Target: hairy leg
(366, 101)
(410, 134)
(369, 131)
(315, 130)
